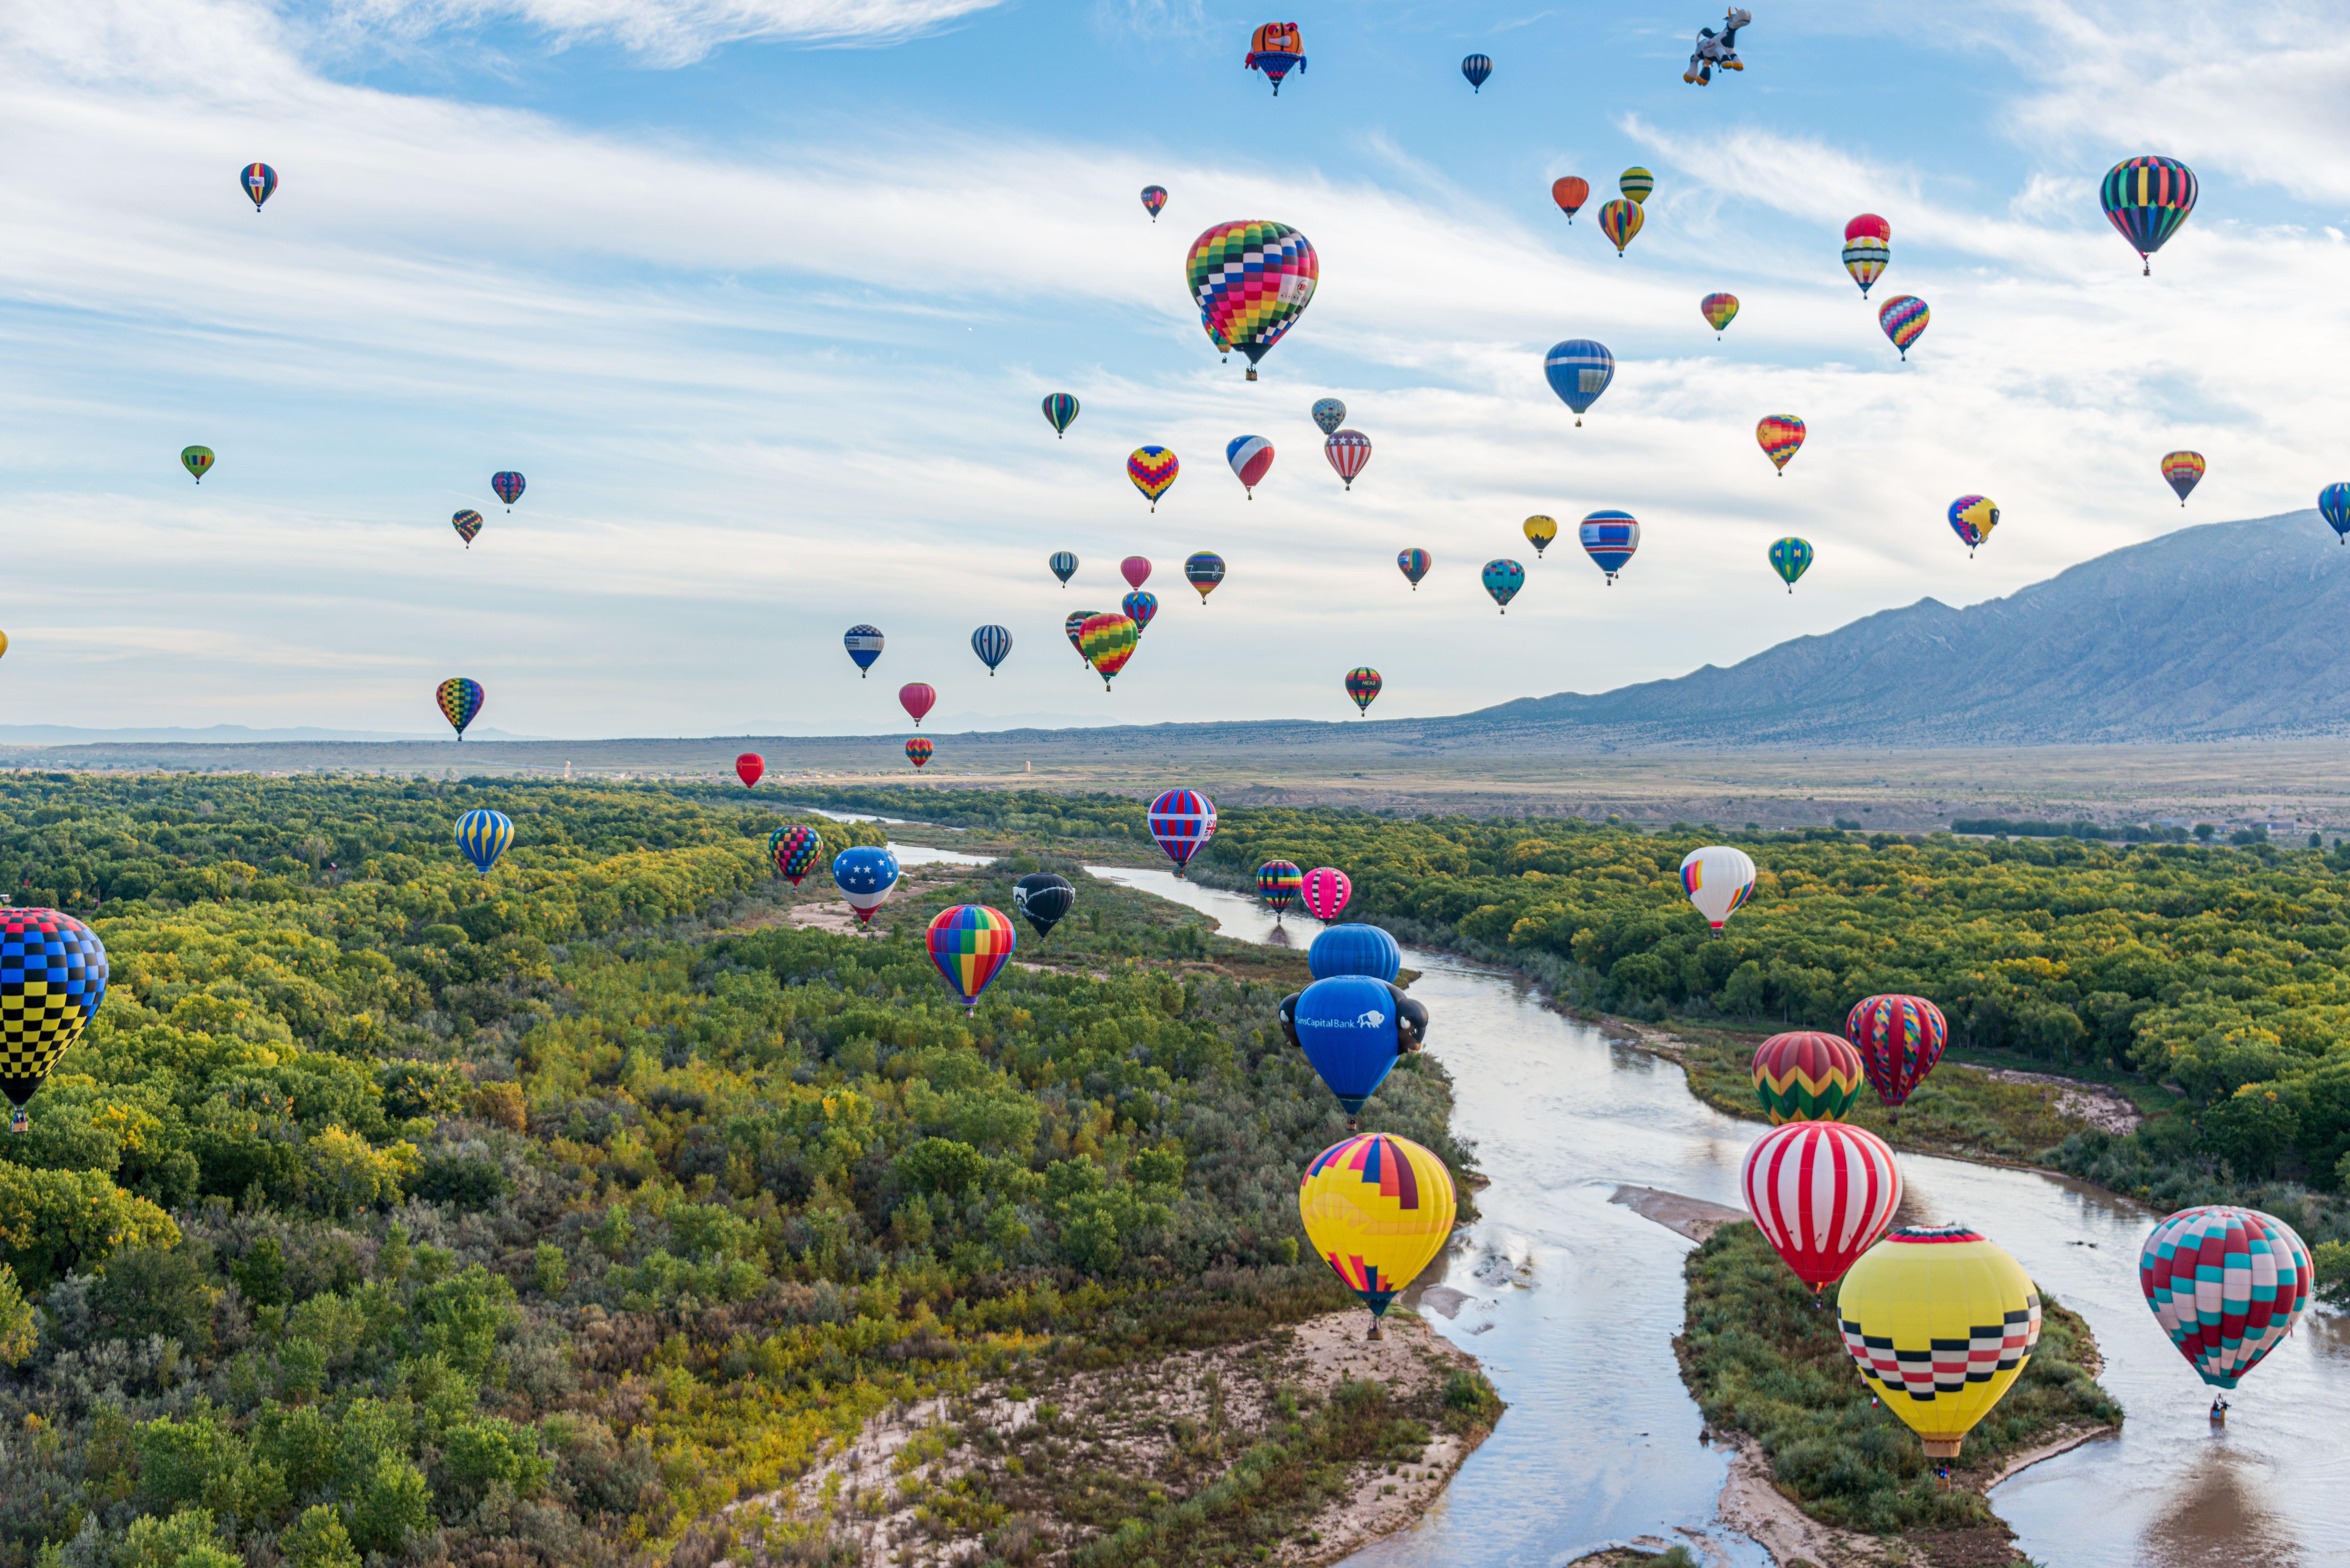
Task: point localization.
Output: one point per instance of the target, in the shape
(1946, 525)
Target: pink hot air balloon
(917, 700)
(1136, 569)
(1326, 891)
(1822, 1193)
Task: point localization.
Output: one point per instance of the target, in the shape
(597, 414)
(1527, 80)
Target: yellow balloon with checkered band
(1942, 1323)
(52, 977)
(1378, 1208)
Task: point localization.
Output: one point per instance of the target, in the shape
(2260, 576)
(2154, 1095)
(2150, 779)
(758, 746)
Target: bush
(394, 1503)
(319, 1540)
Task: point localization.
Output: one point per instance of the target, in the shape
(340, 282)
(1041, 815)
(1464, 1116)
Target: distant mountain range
(216, 735)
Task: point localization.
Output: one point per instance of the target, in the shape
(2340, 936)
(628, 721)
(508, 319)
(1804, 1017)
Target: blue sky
(762, 295)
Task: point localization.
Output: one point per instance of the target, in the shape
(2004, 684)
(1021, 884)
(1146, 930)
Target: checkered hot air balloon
(1153, 469)
(1347, 450)
(1899, 1039)
(1154, 198)
(1204, 570)
(258, 180)
(52, 979)
(1363, 683)
(1060, 413)
(1904, 318)
(1579, 370)
(794, 850)
(482, 836)
(1806, 1076)
(1610, 538)
(1064, 566)
(1413, 565)
(1502, 579)
(1250, 456)
(1972, 517)
(460, 701)
(2184, 471)
(970, 944)
(1107, 642)
(1942, 1323)
(1277, 883)
(2146, 199)
(1780, 437)
(1539, 531)
(1251, 280)
(864, 644)
(467, 524)
(1378, 1208)
(1182, 821)
(1790, 557)
(992, 643)
(2227, 1285)
(1821, 1193)
(1867, 247)
(1326, 890)
(1141, 607)
(509, 486)
(1620, 221)
(1718, 310)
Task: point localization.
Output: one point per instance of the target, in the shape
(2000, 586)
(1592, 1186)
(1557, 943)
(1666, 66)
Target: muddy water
(1574, 1300)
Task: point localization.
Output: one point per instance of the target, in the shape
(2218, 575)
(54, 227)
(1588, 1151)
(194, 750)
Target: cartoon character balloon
(2227, 1284)
(1250, 457)
(1579, 370)
(1821, 1193)
(52, 979)
(1182, 821)
(1354, 949)
(482, 836)
(1251, 280)
(1610, 538)
(969, 945)
(1502, 579)
(1719, 878)
(1780, 437)
(1806, 1076)
(1153, 469)
(2146, 199)
(1276, 48)
(460, 701)
(1346, 1026)
(1942, 1323)
(1378, 1208)
(1899, 1039)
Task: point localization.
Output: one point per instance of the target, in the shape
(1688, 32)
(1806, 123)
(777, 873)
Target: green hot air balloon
(197, 461)
(1790, 558)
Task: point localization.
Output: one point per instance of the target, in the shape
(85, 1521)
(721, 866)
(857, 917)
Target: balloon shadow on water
(2223, 1518)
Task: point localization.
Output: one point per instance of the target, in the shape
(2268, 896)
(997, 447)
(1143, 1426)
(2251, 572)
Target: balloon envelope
(1278, 881)
(1413, 565)
(1790, 557)
(1326, 891)
(2227, 1285)
(1152, 469)
(992, 643)
(1821, 1193)
(795, 850)
(1899, 1039)
(1251, 280)
(1043, 898)
(1636, 184)
(1378, 1208)
(1502, 579)
(1182, 821)
(258, 180)
(1141, 607)
(1477, 68)
(1355, 949)
(1904, 318)
(1579, 370)
(1806, 1076)
(1064, 566)
(1972, 517)
(460, 701)
(1363, 683)
(1940, 1321)
(864, 876)
(1250, 457)
(1619, 221)
(970, 944)
(468, 524)
(1539, 532)
(1718, 310)
(1346, 1026)
(1570, 191)
(1780, 437)
(1135, 570)
(1329, 413)
(864, 645)
(918, 698)
(1154, 198)
(919, 749)
(482, 836)
(509, 486)
(1204, 570)
(52, 979)
(1611, 539)
(2146, 199)
(1719, 878)
(2184, 471)
(749, 767)
(1347, 450)
(2333, 506)
(197, 461)
(1060, 411)
(1107, 642)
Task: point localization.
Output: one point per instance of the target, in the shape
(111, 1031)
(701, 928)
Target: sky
(762, 295)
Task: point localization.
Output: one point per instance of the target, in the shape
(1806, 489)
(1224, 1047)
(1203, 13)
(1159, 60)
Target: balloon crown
(1930, 1234)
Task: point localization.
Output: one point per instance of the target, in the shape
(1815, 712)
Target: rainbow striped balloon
(2146, 199)
(1899, 1039)
(1806, 1076)
(970, 943)
(1278, 881)
(1619, 221)
(919, 749)
(2184, 469)
(1153, 469)
(1781, 436)
(1413, 565)
(1363, 683)
(1107, 642)
(1904, 319)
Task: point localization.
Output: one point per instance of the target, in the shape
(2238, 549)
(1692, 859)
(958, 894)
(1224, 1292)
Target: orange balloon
(1570, 193)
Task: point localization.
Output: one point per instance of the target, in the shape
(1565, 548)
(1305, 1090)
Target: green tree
(319, 1540)
(394, 1503)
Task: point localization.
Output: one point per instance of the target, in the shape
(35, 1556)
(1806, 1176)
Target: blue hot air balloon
(1064, 564)
(1329, 413)
(482, 836)
(1477, 68)
(1579, 370)
(866, 876)
(1347, 1027)
(991, 643)
(1354, 949)
(2333, 504)
(864, 645)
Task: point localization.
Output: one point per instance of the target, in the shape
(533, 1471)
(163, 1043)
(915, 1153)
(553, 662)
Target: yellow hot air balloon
(1378, 1208)
(1540, 532)
(1941, 1321)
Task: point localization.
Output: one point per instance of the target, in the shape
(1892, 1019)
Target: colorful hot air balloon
(1107, 642)
(1867, 247)
(1503, 580)
(1904, 318)
(1060, 413)
(1780, 437)
(991, 643)
(52, 979)
(258, 180)
(482, 836)
(970, 944)
(1204, 570)
(1326, 890)
(1276, 48)
(1570, 191)
(1579, 370)
(1062, 565)
(864, 645)
(794, 850)
(1154, 198)
(2184, 469)
(1611, 539)
(1329, 413)
(1790, 557)
(918, 698)
(460, 701)
(197, 461)
(1636, 184)
(1719, 878)
(509, 486)
(1250, 457)
(2227, 1284)
(1377, 1209)
(2146, 199)
(1972, 517)
(1718, 310)
(1346, 1026)
(1251, 280)
(1899, 1039)
(1942, 1323)
(750, 767)
(1277, 882)
(1135, 570)
(1619, 221)
(1347, 450)
(864, 876)
(467, 524)
(1806, 1076)
(1539, 531)
(2333, 506)
(1141, 608)
(1363, 683)
(919, 749)
(1182, 821)
(1354, 949)
(1153, 470)
(1821, 1193)
(1477, 68)
(1413, 565)
(1043, 898)
(1075, 627)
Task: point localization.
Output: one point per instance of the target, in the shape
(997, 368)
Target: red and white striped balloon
(1821, 1194)
(1347, 451)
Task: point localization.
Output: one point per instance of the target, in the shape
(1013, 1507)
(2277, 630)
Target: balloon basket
(1252, 375)
(1942, 1447)
(1375, 1333)
(20, 1122)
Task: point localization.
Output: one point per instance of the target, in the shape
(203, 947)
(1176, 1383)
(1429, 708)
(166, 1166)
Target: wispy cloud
(673, 32)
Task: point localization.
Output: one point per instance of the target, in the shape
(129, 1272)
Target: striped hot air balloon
(1413, 565)
(482, 836)
(1154, 200)
(1821, 1193)
(2227, 1285)
(1972, 517)
(1107, 642)
(1326, 890)
(1347, 450)
(1780, 437)
(1477, 68)
(1579, 370)
(970, 944)
(1204, 570)
(1620, 221)
(1942, 1323)
(2146, 199)
(1636, 184)
(1904, 318)
(1790, 557)
(1719, 878)
(2333, 506)
(460, 701)
(1363, 683)
(1611, 539)
(1376, 1208)
(1182, 821)
(992, 643)
(1718, 310)
(1899, 1039)
(1074, 626)
(794, 850)
(1806, 1076)
(1153, 469)
(258, 180)
(1060, 413)
(2184, 469)
(1867, 248)
(1250, 456)
(1063, 565)
(1502, 579)
(1277, 883)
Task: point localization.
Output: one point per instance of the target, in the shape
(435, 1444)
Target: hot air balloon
(917, 699)
(1718, 310)
(2333, 506)
(1346, 1026)
(1413, 565)
(258, 180)
(1972, 517)
(1636, 184)
(1153, 470)
(794, 849)
(970, 944)
(1204, 570)
(2227, 1284)
(2146, 199)
(864, 876)
(750, 767)
(1063, 564)
(1899, 1039)
(52, 979)
(1719, 878)
(1182, 821)
(1579, 370)
(1790, 558)
(991, 643)
(1355, 949)
(1806, 1076)
(1378, 1208)
(1363, 683)
(1250, 457)
(864, 645)
(1821, 1193)
(467, 524)
(1277, 882)
(1619, 221)
(1043, 898)
(919, 749)
(1107, 642)
(1477, 68)
(460, 701)
(1060, 413)
(509, 486)
(1075, 627)
(1611, 539)
(1942, 1323)
(1347, 450)
(1135, 570)
(1154, 198)
(1503, 580)
(1276, 48)
(1539, 531)
(3, 643)
(482, 836)
(1326, 890)
(197, 461)
(1570, 191)
(1780, 437)
(1251, 280)
(1867, 247)
(1141, 607)
(2184, 469)
(1329, 413)
(1904, 318)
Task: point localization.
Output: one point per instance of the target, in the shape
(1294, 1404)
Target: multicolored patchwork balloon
(52, 979)
(864, 645)
(1899, 1039)
(1153, 470)
(1326, 890)
(1413, 565)
(1821, 1193)
(1904, 319)
(1060, 413)
(1378, 1208)
(1790, 557)
(1972, 517)
(1806, 1076)
(1570, 191)
(459, 701)
(1539, 531)
(970, 944)
(1780, 437)
(1363, 683)
(482, 836)
(1867, 248)
(1277, 882)
(1579, 370)
(1141, 607)
(794, 850)
(1250, 457)
(1329, 413)
(1619, 221)
(1502, 579)
(1251, 280)
(1204, 570)
(2184, 469)
(2146, 199)
(1610, 538)
(467, 524)
(1154, 198)
(1347, 450)
(1107, 642)
(1718, 310)
(2227, 1284)
(1942, 1323)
